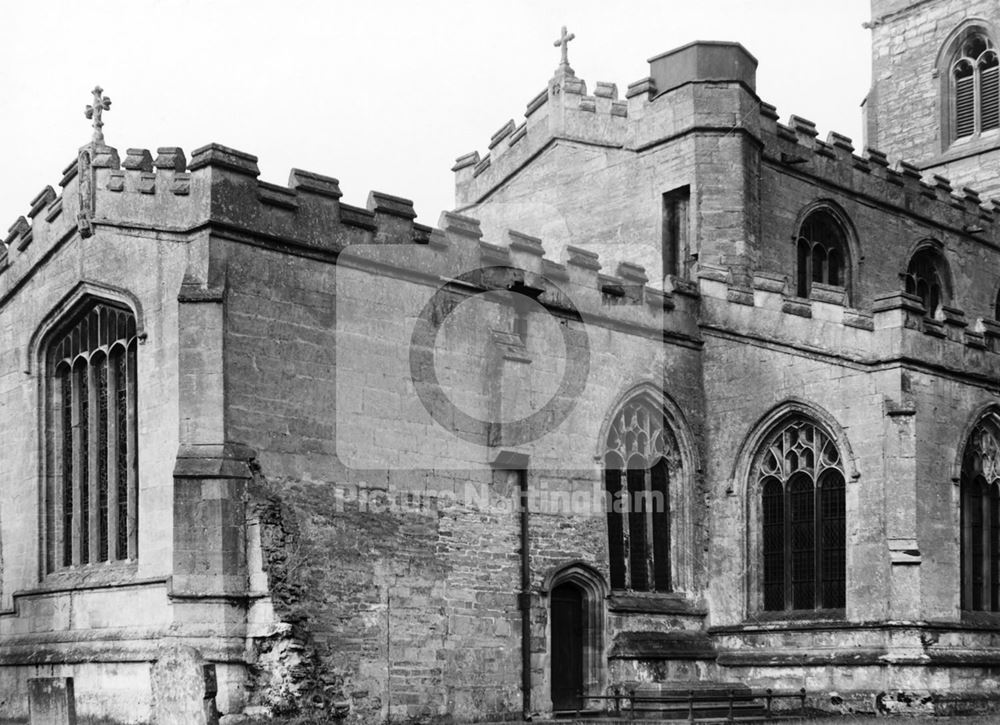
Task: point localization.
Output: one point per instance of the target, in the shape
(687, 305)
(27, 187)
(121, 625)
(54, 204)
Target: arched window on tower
(92, 482)
(980, 518)
(821, 246)
(800, 480)
(637, 484)
(975, 85)
(927, 278)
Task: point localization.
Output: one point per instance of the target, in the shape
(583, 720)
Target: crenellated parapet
(218, 191)
(563, 110)
(681, 93)
(578, 284)
(795, 146)
(708, 89)
(897, 328)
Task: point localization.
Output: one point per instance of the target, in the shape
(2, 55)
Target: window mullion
(93, 452)
(809, 269)
(78, 456)
(969, 575)
(977, 113)
(112, 457)
(650, 505)
(987, 529)
(133, 457)
(626, 510)
(994, 548)
(787, 526)
(818, 577)
(54, 502)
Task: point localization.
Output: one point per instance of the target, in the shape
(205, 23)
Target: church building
(680, 395)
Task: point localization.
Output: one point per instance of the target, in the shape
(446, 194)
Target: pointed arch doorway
(576, 635)
(567, 646)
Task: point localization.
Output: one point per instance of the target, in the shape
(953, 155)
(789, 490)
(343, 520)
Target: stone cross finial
(101, 103)
(563, 43)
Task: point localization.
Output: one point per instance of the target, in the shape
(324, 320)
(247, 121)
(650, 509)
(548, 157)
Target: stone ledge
(88, 578)
(230, 460)
(653, 603)
(662, 645)
(765, 658)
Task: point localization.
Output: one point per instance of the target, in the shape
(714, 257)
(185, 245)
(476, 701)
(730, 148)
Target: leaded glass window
(980, 519)
(800, 482)
(92, 491)
(637, 464)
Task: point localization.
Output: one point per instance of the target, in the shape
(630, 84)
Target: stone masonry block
(51, 701)
(184, 688)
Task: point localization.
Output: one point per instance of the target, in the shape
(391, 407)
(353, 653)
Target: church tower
(935, 94)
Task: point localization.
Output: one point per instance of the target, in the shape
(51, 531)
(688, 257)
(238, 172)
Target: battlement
(896, 329)
(796, 148)
(708, 88)
(218, 191)
(691, 75)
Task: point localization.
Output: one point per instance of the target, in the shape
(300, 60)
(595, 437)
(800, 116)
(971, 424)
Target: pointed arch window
(637, 458)
(821, 246)
(92, 481)
(800, 481)
(975, 85)
(980, 519)
(927, 278)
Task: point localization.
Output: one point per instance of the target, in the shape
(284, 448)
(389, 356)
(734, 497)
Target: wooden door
(567, 647)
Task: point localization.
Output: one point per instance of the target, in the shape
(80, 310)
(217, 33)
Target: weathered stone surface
(340, 554)
(183, 687)
(51, 701)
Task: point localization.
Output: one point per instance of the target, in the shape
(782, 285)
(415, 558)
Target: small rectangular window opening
(676, 224)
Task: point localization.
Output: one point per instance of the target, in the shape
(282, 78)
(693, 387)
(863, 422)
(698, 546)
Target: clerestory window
(927, 278)
(821, 245)
(92, 482)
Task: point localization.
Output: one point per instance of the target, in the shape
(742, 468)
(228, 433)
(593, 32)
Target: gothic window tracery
(92, 491)
(821, 246)
(638, 458)
(980, 519)
(800, 481)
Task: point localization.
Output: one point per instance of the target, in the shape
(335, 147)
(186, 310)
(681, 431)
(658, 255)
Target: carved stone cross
(563, 43)
(101, 103)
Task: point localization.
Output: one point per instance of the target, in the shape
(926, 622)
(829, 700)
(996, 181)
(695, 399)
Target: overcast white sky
(381, 94)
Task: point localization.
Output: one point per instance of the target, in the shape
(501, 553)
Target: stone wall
(406, 578)
(906, 106)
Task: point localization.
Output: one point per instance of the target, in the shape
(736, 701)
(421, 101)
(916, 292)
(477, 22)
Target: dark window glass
(676, 220)
(93, 503)
(637, 484)
(925, 278)
(980, 519)
(821, 249)
(803, 525)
